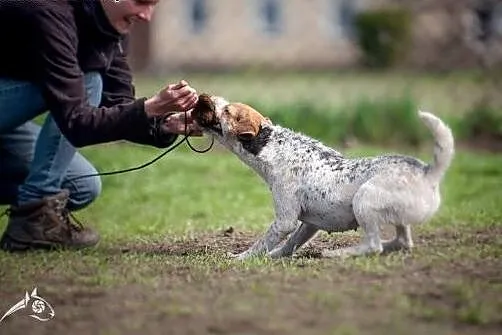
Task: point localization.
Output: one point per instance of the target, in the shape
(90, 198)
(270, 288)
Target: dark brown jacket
(52, 43)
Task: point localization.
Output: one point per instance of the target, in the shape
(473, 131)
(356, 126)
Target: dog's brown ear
(246, 135)
(249, 122)
(249, 127)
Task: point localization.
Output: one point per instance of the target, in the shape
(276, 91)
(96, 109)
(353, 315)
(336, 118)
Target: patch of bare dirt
(233, 241)
(323, 296)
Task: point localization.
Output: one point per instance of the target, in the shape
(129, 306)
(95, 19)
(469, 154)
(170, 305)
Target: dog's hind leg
(371, 211)
(397, 199)
(297, 239)
(371, 243)
(403, 239)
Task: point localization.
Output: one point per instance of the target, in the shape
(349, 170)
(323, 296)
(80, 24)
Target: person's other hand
(178, 97)
(177, 124)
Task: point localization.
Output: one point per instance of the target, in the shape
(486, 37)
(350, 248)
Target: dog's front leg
(304, 233)
(287, 210)
(274, 235)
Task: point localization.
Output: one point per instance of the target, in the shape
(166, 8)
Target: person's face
(124, 13)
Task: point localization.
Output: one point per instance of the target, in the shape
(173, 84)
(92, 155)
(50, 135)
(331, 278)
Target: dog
(315, 187)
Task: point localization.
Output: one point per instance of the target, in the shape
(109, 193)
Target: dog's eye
(238, 118)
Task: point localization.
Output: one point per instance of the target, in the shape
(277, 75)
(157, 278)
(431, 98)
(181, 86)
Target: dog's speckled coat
(315, 187)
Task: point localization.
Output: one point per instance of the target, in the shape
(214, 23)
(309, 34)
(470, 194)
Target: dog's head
(228, 121)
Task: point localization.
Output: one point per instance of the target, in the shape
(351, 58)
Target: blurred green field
(161, 265)
(442, 94)
(373, 108)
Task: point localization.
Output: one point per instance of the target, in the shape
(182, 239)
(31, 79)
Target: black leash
(185, 138)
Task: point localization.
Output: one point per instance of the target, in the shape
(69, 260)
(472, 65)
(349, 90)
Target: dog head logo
(41, 309)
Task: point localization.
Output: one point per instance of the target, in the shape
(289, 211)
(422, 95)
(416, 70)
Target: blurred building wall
(202, 34)
(278, 34)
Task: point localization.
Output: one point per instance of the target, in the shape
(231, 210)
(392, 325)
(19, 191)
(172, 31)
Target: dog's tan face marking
(235, 125)
(242, 120)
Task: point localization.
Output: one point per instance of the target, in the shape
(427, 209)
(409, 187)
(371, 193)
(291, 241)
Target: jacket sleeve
(118, 88)
(117, 79)
(62, 83)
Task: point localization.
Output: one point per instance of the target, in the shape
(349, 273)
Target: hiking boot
(45, 224)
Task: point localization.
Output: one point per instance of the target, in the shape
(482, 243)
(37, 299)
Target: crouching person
(69, 58)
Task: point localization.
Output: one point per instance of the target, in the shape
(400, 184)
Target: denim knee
(90, 192)
(83, 192)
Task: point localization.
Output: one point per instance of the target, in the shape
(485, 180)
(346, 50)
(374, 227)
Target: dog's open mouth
(217, 128)
(204, 113)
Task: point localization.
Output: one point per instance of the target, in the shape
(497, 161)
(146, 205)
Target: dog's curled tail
(444, 147)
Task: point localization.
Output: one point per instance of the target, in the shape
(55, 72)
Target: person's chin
(124, 28)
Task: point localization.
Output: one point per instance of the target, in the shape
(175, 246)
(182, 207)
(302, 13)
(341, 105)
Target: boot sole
(9, 244)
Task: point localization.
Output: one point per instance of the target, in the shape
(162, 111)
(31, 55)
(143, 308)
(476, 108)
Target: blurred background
(345, 71)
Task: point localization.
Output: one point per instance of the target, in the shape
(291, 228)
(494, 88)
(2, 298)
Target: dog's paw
(231, 255)
(276, 253)
(333, 253)
(279, 253)
(238, 257)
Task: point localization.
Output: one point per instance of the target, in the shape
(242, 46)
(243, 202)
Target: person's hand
(178, 97)
(177, 124)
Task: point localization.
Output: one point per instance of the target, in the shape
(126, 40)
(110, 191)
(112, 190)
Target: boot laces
(74, 223)
(65, 215)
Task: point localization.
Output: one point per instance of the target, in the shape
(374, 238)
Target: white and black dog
(315, 187)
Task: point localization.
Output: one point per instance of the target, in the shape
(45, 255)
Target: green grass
(161, 267)
(187, 195)
(182, 193)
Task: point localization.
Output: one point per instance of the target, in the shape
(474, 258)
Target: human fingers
(187, 103)
(195, 131)
(179, 95)
(173, 123)
(180, 123)
(177, 86)
(189, 115)
(177, 120)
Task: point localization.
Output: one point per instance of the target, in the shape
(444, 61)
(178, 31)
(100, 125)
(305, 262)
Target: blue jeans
(36, 161)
